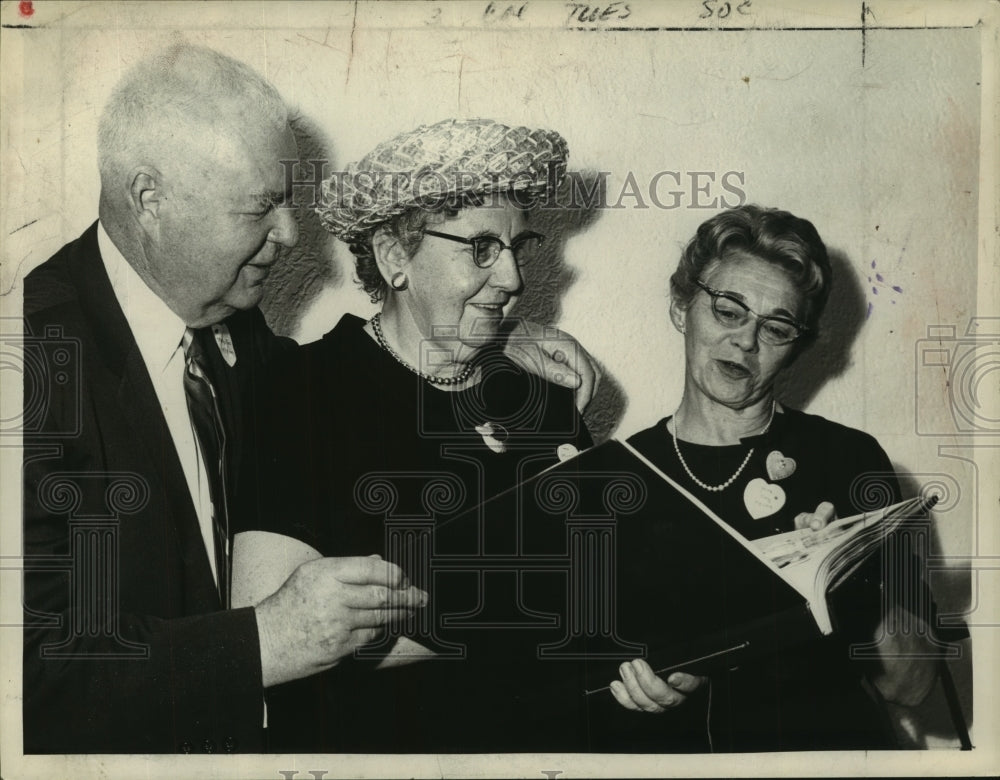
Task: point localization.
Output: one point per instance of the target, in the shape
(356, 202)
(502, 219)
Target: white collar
(156, 327)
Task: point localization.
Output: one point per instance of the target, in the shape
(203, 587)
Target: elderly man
(129, 645)
(134, 651)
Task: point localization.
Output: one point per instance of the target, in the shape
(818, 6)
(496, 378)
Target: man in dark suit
(128, 646)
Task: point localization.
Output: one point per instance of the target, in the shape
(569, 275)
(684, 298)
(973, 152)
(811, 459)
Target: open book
(604, 558)
(816, 562)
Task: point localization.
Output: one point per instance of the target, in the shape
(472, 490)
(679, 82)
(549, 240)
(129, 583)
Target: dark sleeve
(99, 678)
(583, 437)
(897, 574)
(866, 479)
(579, 433)
(188, 684)
(561, 419)
(279, 485)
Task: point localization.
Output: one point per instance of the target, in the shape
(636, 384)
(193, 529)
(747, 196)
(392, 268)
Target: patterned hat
(436, 163)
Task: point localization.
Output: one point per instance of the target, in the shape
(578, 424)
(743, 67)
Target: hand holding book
(642, 689)
(824, 514)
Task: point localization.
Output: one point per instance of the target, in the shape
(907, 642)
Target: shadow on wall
(547, 280)
(928, 724)
(827, 358)
(955, 591)
(307, 268)
(607, 408)
(830, 355)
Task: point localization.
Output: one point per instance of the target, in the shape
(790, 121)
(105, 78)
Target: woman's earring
(399, 281)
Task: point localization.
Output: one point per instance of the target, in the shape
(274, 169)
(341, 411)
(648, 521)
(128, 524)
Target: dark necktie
(203, 405)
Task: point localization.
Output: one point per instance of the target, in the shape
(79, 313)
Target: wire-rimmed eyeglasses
(731, 312)
(486, 249)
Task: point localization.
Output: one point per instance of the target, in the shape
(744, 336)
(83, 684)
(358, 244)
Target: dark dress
(356, 447)
(814, 696)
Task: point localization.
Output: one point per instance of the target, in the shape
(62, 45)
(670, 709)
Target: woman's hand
(818, 520)
(553, 355)
(641, 689)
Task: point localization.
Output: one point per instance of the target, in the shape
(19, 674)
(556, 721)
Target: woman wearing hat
(413, 414)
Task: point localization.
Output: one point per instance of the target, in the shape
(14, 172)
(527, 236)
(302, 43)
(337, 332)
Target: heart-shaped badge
(762, 499)
(778, 466)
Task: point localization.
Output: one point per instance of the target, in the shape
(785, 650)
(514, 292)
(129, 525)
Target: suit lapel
(141, 411)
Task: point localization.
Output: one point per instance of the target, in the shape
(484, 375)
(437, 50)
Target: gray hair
(774, 236)
(181, 86)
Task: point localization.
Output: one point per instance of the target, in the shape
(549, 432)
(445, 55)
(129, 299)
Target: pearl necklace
(459, 378)
(732, 479)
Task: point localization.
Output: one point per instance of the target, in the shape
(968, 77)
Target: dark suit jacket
(126, 646)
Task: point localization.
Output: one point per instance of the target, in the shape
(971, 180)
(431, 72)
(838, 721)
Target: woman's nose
(506, 274)
(745, 336)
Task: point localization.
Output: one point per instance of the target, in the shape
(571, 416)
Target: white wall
(883, 158)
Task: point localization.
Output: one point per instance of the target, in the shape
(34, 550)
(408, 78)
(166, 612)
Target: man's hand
(326, 609)
(641, 689)
(553, 355)
(818, 520)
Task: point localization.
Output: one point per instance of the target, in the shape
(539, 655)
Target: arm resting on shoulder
(554, 355)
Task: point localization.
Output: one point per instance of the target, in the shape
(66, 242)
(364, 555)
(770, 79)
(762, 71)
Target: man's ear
(145, 193)
(390, 255)
(678, 315)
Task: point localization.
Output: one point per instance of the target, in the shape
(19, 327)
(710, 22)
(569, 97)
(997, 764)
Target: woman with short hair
(747, 297)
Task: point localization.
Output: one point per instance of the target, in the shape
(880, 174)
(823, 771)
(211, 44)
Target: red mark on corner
(26, 8)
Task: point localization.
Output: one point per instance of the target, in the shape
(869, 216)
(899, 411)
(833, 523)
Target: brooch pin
(494, 436)
(566, 451)
(779, 466)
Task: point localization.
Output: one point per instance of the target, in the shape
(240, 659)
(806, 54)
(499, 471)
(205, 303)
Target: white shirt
(158, 331)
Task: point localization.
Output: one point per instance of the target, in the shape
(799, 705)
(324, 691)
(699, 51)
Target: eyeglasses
(486, 249)
(731, 312)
